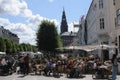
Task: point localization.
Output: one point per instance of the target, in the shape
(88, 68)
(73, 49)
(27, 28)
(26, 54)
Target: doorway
(105, 55)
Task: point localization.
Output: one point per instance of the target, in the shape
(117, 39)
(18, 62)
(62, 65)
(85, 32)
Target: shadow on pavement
(77, 77)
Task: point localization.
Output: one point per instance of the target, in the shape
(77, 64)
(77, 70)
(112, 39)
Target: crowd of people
(6, 64)
(73, 67)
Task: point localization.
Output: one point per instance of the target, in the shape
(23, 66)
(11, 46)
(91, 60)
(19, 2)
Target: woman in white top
(3, 62)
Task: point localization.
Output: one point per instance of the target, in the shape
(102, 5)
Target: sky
(22, 17)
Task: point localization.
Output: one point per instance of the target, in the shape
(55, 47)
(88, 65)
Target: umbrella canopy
(39, 53)
(88, 48)
(103, 67)
(104, 46)
(85, 48)
(2, 53)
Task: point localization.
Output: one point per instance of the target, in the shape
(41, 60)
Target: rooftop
(69, 34)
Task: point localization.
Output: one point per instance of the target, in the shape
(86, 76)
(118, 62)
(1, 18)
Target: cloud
(72, 28)
(4, 21)
(55, 21)
(14, 7)
(50, 0)
(26, 32)
(35, 20)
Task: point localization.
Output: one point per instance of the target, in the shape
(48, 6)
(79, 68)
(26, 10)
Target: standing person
(4, 65)
(3, 62)
(94, 68)
(26, 60)
(114, 67)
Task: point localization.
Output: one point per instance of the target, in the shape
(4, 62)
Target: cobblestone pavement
(40, 77)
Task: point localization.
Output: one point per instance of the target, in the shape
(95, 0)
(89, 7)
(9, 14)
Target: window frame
(100, 4)
(114, 2)
(118, 16)
(102, 23)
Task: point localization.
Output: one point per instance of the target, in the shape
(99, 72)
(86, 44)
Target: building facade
(82, 32)
(64, 25)
(66, 37)
(103, 23)
(4, 33)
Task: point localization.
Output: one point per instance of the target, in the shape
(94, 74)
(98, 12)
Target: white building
(4, 33)
(103, 23)
(82, 32)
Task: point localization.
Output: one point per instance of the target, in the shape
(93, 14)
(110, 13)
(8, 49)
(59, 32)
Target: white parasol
(89, 47)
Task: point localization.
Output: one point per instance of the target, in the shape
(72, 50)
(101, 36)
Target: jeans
(114, 72)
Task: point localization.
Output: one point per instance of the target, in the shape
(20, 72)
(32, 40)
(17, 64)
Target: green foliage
(2, 45)
(21, 48)
(34, 48)
(14, 48)
(17, 47)
(47, 37)
(27, 47)
(10, 47)
(23, 45)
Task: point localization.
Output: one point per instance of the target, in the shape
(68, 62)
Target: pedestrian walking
(114, 67)
(26, 60)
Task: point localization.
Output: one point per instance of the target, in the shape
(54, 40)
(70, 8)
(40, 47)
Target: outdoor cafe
(105, 69)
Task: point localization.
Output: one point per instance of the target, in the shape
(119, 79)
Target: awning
(88, 47)
(1, 53)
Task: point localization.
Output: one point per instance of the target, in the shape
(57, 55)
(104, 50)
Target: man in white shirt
(3, 62)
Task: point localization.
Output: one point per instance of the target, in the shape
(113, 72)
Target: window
(105, 42)
(100, 4)
(118, 17)
(94, 7)
(101, 23)
(113, 2)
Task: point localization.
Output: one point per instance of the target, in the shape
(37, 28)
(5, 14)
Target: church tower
(64, 25)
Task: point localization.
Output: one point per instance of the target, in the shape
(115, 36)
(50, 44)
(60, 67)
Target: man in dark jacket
(26, 60)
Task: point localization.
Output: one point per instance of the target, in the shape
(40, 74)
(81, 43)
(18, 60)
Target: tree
(34, 49)
(47, 37)
(24, 46)
(29, 47)
(20, 48)
(8, 46)
(14, 47)
(17, 47)
(2, 45)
